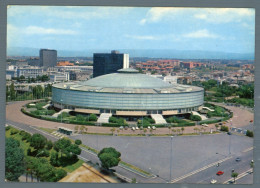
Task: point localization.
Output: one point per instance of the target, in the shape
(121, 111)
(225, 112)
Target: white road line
(199, 170)
(240, 175)
(83, 158)
(248, 149)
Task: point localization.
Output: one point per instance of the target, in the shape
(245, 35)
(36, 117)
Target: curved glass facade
(127, 101)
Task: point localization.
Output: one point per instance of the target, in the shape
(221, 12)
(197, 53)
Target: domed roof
(127, 78)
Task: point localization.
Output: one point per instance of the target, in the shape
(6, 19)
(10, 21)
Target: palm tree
(81, 129)
(169, 127)
(195, 129)
(216, 125)
(234, 175)
(118, 130)
(173, 131)
(151, 131)
(76, 128)
(145, 130)
(112, 130)
(86, 129)
(182, 129)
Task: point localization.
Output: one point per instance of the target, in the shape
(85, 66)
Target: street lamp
(61, 109)
(171, 162)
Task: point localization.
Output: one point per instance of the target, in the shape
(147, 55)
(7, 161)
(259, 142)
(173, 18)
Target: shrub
(26, 136)
(14, 131)
(195, 118)
(224, 128)
(113, 119)
(7, 128)
(78, 142)
(80, 118)
(249, 133)
(92, 117)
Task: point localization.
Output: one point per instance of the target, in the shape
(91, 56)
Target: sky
(81, 28)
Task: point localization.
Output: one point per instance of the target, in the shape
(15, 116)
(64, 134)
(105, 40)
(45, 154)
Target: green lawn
(47, 130)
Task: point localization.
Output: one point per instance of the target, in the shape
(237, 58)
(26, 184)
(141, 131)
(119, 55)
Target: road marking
(240, 176)
(199, 170)
(83, 158)
(248, 149)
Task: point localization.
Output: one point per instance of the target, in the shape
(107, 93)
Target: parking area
(189, 152)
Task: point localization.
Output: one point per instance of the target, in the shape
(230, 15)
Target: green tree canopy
(14, 160)
(38, 141)
(109, 157)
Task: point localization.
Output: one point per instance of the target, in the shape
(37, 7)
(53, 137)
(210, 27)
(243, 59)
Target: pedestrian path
(58, 113)
(197, 114)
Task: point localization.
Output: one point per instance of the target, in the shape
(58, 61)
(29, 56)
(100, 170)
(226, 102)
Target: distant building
(59, 77)
(107, 63)
(48, 58)
(33, 61)
(31, 72)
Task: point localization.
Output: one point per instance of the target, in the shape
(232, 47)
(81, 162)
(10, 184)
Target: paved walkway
(13, 113)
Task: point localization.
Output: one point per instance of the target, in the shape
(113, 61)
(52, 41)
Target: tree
(234, 175)
(145, 130)
(169, 127)
(182, 129)
(76, 128)
(81, 129)
(78, 142)
(14, 160)
(38, 141)
(173, 131)
(54, 160)
(49, 145)
(12, 92)
(64, 146)
(224, 128)
(112, 130)
(109, 157)
(217, 126)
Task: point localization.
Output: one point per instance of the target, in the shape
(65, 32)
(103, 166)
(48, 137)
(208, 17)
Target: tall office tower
(106, 63)
(48, 58)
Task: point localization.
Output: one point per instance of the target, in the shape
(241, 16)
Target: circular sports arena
(127, 93)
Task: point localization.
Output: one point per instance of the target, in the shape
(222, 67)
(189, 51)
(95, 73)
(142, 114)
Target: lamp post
(171, 161)
(61, 109)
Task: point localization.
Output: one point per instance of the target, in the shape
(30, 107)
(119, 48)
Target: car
(238, 159)
(204, 124)
(213, 181)
(229, 133)
(220, 172)
(121, 127)
(136, 128)
(149, 127)
(220, 123)
(133, 128)
(153, 127)
(251, 121)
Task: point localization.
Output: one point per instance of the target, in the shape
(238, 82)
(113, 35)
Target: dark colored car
(229, 133)
(251, 121)
(238, 159)
(220, 172)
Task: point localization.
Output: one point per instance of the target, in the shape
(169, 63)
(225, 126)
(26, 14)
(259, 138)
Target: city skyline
(229, 30)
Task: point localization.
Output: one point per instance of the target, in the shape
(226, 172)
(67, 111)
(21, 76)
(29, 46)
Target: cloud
(156, 14)
(204, 33)
(53, 31)
(224, 15)
(143, 37)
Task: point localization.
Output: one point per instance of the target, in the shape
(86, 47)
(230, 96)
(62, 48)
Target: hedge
(210, 121)
(112, 125)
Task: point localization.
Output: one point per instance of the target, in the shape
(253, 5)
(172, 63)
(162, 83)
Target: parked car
(205, 125)
(136, 128)
(153, 127)
(213, 181)
(229, 133)
(220, 173)
(121, 127)
(251, 121)
(133, 128)
(238, 159)
(149, 127)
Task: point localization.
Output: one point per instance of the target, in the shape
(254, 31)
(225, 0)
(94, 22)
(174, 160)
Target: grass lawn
(71, 168)
(47, 130)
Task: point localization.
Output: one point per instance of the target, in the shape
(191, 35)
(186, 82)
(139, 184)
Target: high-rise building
(106, 63)
(48, 58)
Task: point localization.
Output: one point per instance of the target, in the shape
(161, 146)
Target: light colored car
(149, 127)
(136, 128)
(213, 181)
(205, 125)
(153, 127)
(133, 128)
(121, 127)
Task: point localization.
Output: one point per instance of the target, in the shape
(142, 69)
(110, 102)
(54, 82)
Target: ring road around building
(127, 93)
